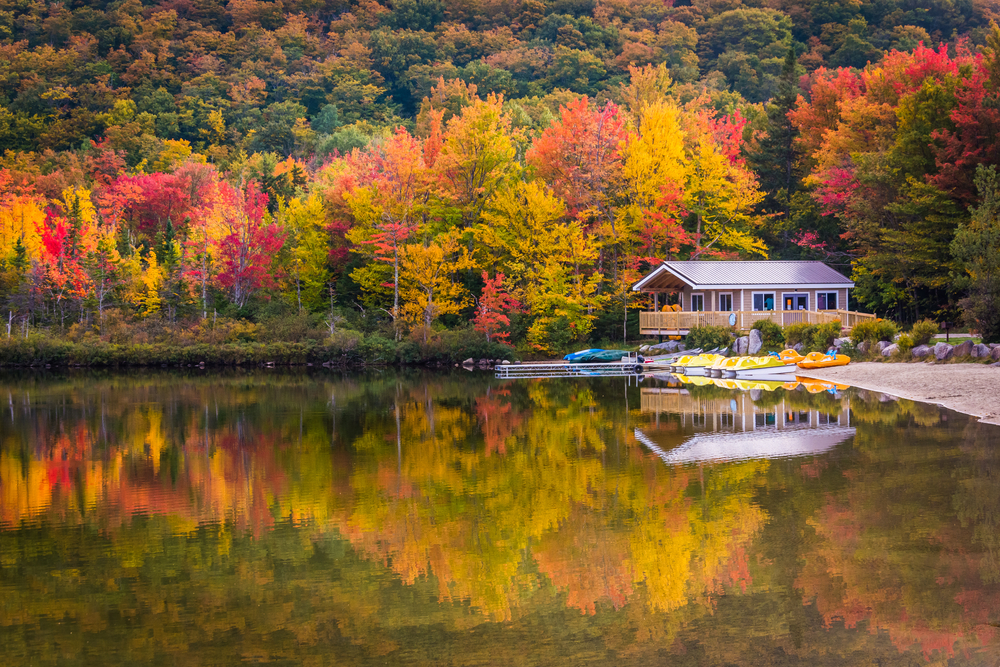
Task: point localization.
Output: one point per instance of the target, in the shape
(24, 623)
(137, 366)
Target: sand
(970, 388)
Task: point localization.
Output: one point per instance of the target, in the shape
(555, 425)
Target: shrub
(905, 343)
(873, 331)
(823, 336)
(923, 331)
(799, 333)
(708, 337)
(771, 334)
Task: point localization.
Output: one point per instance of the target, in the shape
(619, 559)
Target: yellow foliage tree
(427, 284)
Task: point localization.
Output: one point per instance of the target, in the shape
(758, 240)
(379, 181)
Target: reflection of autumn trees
(889, 548)
(287, 515)
(489, 493)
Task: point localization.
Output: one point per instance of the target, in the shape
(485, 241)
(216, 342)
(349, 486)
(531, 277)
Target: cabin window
(763, 301)
(826, 300)
(726, 302)
(697, 303)
(795, 301)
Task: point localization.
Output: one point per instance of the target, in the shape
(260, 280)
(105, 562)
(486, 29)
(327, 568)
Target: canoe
(820, 360)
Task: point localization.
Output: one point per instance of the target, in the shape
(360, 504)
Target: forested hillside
(413, 165)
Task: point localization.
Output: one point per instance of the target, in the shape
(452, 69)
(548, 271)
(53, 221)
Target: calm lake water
(454, 519)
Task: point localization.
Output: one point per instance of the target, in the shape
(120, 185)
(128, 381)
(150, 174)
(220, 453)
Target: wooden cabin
(739, 293)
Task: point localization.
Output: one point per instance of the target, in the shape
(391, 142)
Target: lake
(455, 519)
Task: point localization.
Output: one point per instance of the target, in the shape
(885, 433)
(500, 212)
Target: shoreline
(968, 388)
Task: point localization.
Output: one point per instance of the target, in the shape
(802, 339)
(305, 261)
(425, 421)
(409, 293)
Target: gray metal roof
(720, 274)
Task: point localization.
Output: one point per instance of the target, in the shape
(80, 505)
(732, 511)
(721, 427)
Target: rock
(681, 345)
(484, 362)
(980, 351)
(995, 354)
(863, 347)
(798, 347)
(756, 342)
(921, 351)
(881, 345)
(755, 394)
(993, 346)
(890, 350)
(741, 345)
(943, 351)
(996, 364)
(963, 349)
(839, 342)
(469, 362)
(505, 363)
(669, 346)
(644, 348)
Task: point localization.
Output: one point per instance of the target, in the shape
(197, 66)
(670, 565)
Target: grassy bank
(348, 348)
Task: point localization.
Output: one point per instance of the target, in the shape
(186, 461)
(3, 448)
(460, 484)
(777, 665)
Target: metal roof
(721, 274)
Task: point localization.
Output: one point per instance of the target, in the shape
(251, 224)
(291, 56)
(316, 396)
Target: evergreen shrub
(873, 331)
(709, 337)
(771, 333)
(823, 336)
(923, 331)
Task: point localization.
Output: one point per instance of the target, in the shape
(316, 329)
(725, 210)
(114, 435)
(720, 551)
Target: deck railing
(673, 323)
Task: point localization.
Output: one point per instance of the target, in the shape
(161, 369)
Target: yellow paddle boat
(820, 360)
(790, 356)
(700, 363)
(761, 368)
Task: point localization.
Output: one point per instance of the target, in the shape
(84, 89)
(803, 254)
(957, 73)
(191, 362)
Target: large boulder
(980, 351)
(881, 345)
(963, 349)
(741, 345)
(798, 347)
(995, 354)
(668, 346)
(863, 347)
(943, 351)
(890, 350)
(921, 351)
(840, 342)
(756, 342)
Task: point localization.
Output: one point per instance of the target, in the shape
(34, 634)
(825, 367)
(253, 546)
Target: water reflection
(398, 518)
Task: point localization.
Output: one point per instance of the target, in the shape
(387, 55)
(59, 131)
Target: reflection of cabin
(736, 413)
(734, 428)
(737, 293)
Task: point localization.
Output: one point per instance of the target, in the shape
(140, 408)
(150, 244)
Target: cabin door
(796, 301)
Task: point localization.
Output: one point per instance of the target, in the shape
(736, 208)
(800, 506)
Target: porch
(680, 323)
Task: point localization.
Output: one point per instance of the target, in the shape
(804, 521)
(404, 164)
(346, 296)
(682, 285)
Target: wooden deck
(679, 324)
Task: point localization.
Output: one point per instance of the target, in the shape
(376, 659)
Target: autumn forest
(191, 171)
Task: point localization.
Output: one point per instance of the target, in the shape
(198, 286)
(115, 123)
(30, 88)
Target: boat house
(738, 293)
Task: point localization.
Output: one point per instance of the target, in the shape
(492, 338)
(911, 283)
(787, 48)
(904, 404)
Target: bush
(823, 336)
(799, 333)
(923, 331)
(905, 343)
(708, 337)
(771, 334)
(873, 331)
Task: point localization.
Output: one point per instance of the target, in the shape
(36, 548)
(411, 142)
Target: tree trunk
(395, 288)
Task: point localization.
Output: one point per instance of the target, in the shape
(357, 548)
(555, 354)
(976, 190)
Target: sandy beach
(970, 388)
